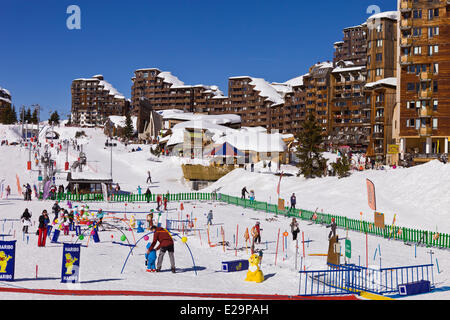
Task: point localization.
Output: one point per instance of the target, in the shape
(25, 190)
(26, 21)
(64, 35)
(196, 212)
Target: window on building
(435, 105)
(432, 50)
(435, 123)
(436, 68)
(417, 32)
(417, 14)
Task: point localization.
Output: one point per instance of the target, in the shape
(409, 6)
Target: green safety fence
(408, 235)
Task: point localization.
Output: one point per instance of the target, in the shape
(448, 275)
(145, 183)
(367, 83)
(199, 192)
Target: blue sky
(201, 42)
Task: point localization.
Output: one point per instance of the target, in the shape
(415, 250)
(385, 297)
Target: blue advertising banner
(70, 263)
(7, 260)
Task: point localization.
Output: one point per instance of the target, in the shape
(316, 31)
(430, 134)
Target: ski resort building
(5, 101)
(94, 100)
(318, 93)
(162, 91)
(380, 89)
(347, 83)
(424, 91)
(353, 46)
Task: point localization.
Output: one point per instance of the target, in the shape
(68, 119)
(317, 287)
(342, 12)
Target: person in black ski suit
(333, 228)
(244, 191)
(55, 210)
(26, 220)
(148, 195)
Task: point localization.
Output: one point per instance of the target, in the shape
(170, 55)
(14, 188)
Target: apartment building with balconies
(155, 90)
(346, 118)
(424, 93)
(381, 86)
(353, 47)
(317, 85)
(94, 100)
(5, 98)
(5, 103)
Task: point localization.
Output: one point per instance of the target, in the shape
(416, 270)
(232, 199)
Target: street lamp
(111, 145)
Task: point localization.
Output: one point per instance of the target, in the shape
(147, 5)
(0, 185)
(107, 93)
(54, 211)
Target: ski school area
(215, 256)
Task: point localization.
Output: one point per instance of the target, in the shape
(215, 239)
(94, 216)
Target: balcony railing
(406, 42)
(406, 24)
(406, 6)
(378, 135)
(425, 112)
(425, 131)
(425, 94)
(426, 76)
(406, 60)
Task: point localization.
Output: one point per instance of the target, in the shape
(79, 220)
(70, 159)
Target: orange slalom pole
(223, 238)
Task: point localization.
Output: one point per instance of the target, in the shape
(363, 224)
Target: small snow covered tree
(342, 167)
(309, 153)
(128, 131)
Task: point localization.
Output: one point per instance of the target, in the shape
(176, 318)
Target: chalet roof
(88, 177)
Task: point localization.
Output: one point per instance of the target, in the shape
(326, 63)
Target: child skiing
(294, 229)
(26, 220)
(210, 217)
(150, 259)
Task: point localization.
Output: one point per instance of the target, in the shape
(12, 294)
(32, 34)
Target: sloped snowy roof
(119, 121)
(295, 82)
(385, 81)
(254, 141)
(111, 89)
(348, 69)
(179, 130)
(393, 15)
(5, 91)
(90, 176)
(219, 119)
(171, 79)
(106, 85)
(6, 100)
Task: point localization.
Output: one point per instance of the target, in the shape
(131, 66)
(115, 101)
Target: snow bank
(420, 196)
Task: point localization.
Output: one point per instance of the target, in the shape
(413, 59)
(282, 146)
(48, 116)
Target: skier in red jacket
(165, 240)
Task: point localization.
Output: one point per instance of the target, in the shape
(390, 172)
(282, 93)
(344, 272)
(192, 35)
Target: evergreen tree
(12, 116)
(342, 167)
(34, 117)
(8, 115)
(128, 131)
(311, 162)
(54, 118)
(28, 116)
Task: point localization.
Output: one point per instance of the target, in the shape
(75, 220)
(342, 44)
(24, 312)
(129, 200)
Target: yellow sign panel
(393, 149)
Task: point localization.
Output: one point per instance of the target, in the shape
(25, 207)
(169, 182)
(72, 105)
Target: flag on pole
(19, 188)
(371, 195)
(279, 185)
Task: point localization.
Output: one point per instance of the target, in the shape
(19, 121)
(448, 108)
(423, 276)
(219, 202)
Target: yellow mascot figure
(69, 263)
(254, 273)
(4, 261)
